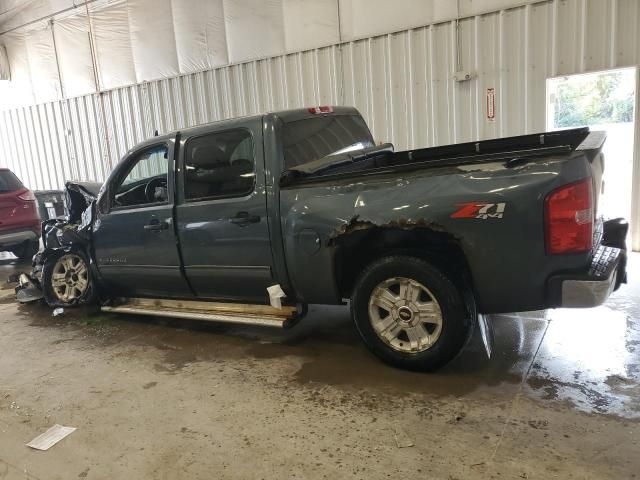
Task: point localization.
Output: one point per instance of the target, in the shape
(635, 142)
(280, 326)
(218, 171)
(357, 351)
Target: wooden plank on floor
(219, 307)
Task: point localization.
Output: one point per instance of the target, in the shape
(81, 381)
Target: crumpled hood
(91, 188)
(79, 196)
(75, 228)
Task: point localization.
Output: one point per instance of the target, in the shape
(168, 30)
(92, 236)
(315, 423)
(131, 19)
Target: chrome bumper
(606, 273)
(14, 238)
(587, 293)
(591, 286)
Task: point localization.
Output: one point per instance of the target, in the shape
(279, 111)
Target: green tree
(593, 99)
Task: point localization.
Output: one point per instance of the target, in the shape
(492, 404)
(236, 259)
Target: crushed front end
(71, 233)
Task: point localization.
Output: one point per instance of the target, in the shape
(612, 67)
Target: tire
(26, 250)
(67, 280)
(409, 313)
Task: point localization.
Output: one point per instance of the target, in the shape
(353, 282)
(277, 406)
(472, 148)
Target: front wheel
(66, 280)
(409, 313)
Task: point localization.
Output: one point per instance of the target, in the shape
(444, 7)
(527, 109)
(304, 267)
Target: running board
(244, 314)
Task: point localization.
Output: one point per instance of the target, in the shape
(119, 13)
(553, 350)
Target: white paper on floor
(402, 439)
(49, 438)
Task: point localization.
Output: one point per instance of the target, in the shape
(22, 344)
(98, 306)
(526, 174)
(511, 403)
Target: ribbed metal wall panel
(401, 82)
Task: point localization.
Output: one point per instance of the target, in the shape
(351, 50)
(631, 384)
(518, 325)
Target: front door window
(145, 183)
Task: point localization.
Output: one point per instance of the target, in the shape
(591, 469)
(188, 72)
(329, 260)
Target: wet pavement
(151, 398)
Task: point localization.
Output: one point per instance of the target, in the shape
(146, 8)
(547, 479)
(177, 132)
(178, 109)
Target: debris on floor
(49, 438)
(402, 439)
(29, 294)
(24, 280)
(27, 290)
(58, 311)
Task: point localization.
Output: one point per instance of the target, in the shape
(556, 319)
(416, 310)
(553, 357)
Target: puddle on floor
(589, 358)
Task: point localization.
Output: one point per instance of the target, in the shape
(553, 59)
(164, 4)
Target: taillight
(568, 218)
(27, 196)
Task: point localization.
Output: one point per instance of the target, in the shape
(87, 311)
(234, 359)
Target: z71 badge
(479, 210)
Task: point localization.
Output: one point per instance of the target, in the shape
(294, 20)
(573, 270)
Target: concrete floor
(158, 400)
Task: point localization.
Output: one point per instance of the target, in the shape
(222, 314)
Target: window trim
(183, 162)
(127, 167)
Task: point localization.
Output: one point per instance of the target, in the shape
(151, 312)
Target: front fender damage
(73, 232)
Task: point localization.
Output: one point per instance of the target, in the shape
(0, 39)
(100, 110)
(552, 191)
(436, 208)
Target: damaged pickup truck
(421, 242)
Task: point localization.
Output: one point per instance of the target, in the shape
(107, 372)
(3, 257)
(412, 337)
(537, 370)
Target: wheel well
(356, 250)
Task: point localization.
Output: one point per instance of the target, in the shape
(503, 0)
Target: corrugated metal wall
(82, 138)
(401, 82)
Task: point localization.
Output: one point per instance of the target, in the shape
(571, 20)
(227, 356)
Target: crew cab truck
(206, 219)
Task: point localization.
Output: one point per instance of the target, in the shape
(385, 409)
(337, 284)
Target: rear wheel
(67, 280)
(409, 313)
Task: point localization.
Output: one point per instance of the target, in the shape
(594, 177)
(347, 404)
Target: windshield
(314, 138)
(9, 182)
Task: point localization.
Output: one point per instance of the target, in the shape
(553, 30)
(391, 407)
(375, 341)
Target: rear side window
(313, 138)
(218, 165)
(9, 182)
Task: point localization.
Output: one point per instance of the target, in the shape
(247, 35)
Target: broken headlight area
(59, 234)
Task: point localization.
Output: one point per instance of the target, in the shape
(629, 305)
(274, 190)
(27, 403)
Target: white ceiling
(142, 40)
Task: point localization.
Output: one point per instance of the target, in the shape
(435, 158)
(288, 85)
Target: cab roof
(285, 116)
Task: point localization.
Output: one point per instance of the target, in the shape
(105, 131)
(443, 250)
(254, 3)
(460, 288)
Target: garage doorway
(603, 101)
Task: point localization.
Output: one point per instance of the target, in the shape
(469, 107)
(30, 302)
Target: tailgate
(592, 147)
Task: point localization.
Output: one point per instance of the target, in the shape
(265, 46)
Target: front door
(222, 216)
(134, 238)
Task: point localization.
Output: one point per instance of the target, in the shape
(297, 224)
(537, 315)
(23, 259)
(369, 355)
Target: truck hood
(75, 228)
(79, 196)
(91, 188)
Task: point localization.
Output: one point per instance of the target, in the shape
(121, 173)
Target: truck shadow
(325, 344)
(333, 355)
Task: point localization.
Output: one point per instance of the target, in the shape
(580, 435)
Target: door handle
(243, 218)
(156, 225)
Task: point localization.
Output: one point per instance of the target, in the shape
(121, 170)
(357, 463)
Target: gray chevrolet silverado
(200, 223)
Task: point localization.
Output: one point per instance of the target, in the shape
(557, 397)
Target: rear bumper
(594, 288)
(16, 237)
(605, 274)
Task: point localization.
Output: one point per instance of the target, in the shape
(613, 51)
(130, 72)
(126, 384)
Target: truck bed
(382, 159)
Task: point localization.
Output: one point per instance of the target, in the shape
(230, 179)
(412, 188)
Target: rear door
(222, 213)
(134, 239)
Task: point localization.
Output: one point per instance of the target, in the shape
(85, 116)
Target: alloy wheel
(70, 278)
(405, 315)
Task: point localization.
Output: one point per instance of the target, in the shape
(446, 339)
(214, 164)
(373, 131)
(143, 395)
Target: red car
(19, 217)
